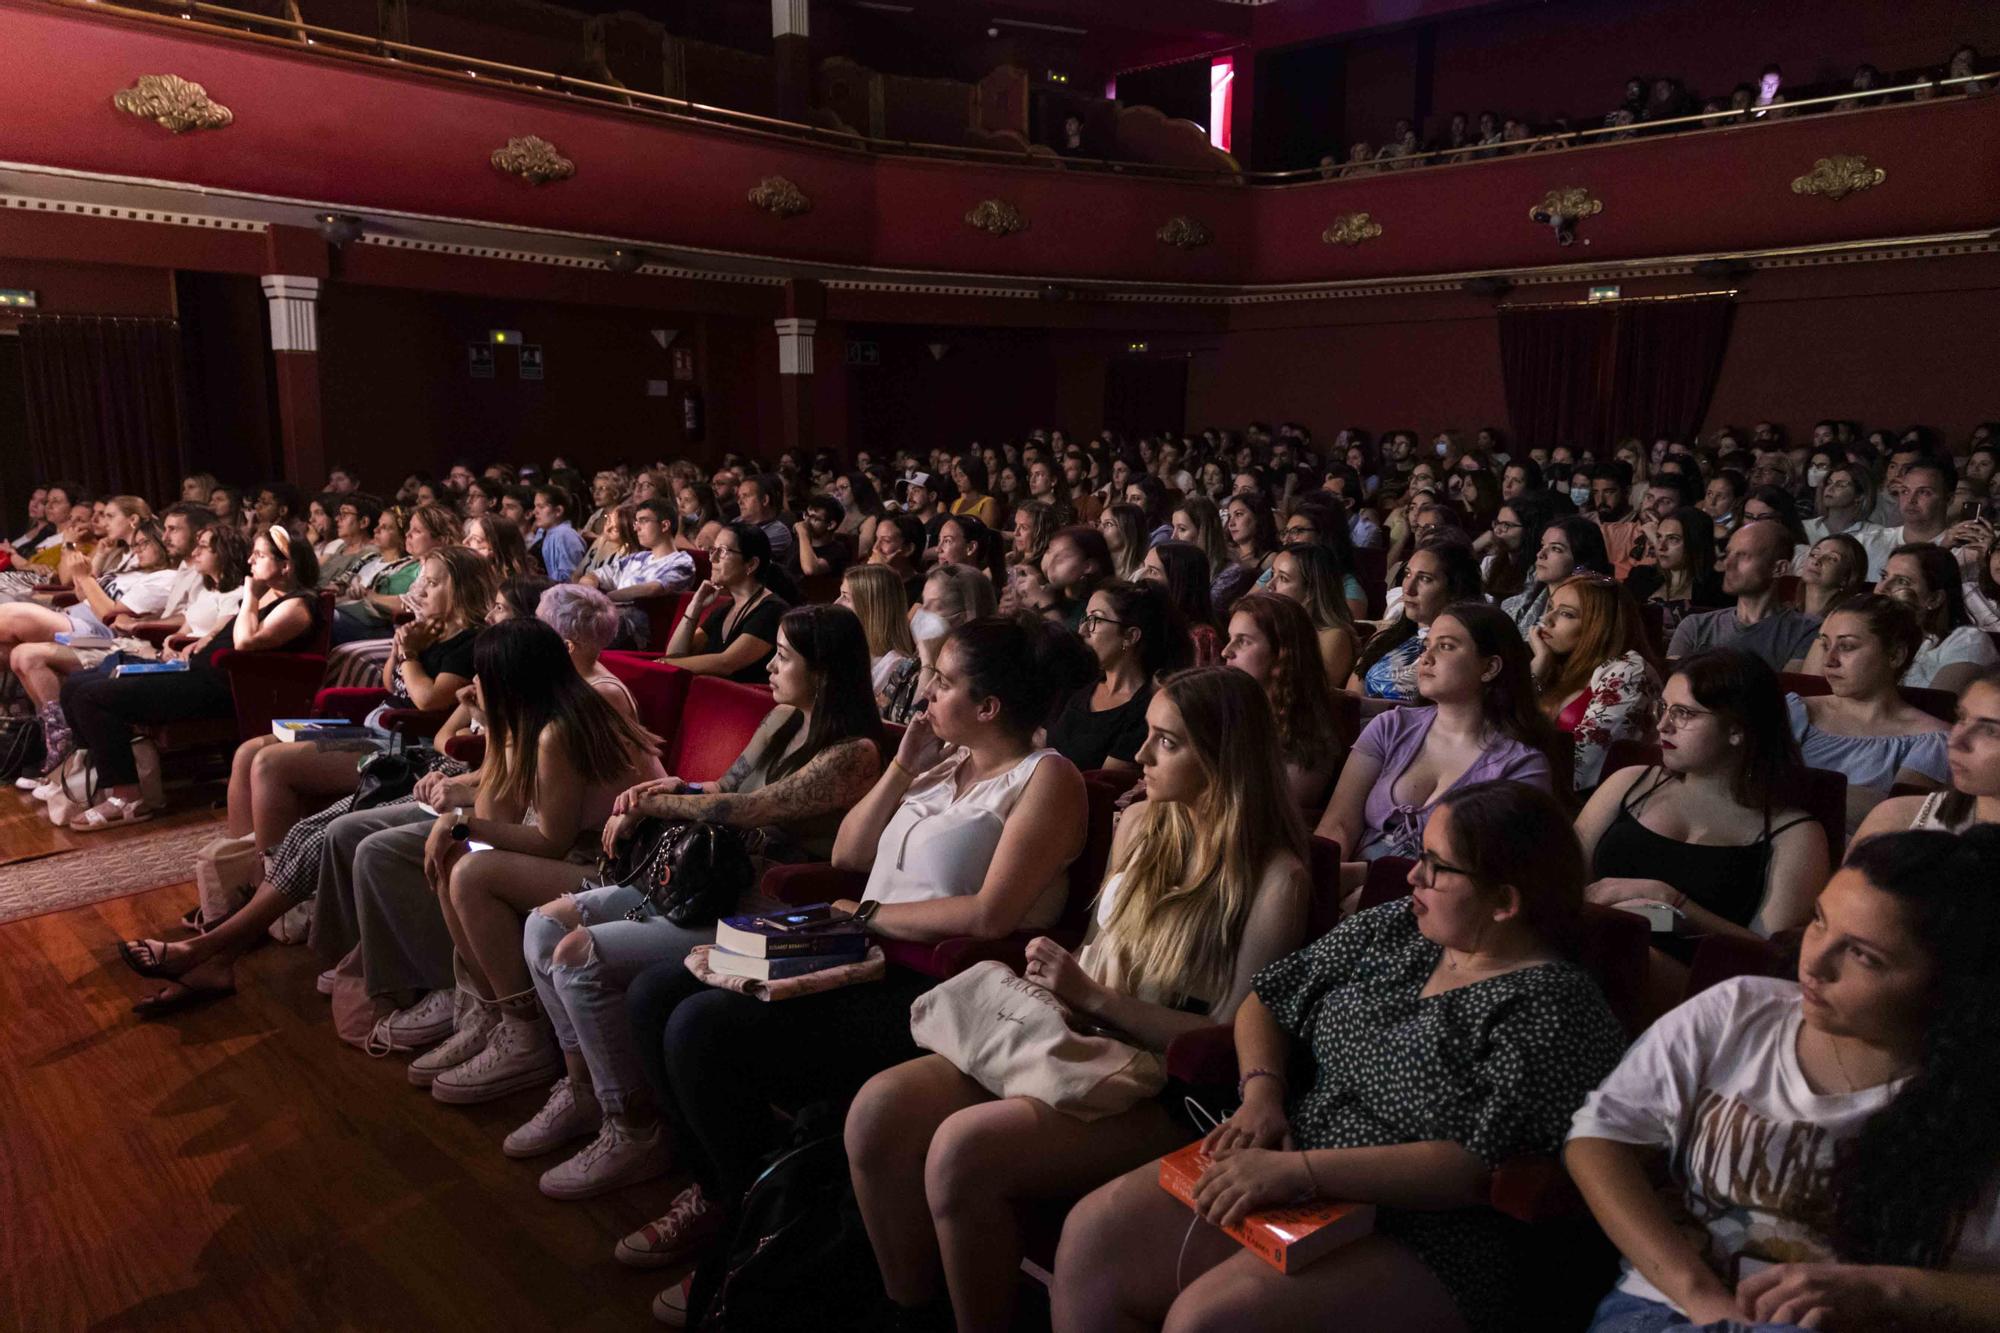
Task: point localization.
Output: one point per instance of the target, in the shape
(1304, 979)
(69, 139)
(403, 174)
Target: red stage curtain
(1589, 376)
(104, 403)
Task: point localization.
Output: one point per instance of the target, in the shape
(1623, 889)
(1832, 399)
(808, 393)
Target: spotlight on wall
(623, 260)
(340, 228)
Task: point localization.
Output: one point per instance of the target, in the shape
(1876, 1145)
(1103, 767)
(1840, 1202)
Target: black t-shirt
(759, 622)
(1087, 739)
(446, 657)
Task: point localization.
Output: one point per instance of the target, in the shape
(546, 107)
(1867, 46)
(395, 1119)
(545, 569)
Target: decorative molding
(1838, 177)
(294, 304)
(173, 103)
(534, 159)
(795, 345)
(779, 197)
(1184, 233)
(1351, 229)
(1572, 201)
(996, 217)
(117, 213)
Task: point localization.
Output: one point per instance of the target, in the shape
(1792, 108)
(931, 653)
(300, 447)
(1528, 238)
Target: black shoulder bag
(690, 872)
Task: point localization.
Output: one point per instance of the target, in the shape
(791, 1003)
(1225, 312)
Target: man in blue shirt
(555, 537)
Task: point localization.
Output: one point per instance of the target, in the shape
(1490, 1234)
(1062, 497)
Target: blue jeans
(1620, 1312)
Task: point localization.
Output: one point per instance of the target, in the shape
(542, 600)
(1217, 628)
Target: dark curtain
(1143, 396)
(1589, 376)
(104, 403)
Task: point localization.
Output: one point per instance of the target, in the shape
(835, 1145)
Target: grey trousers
(373, 893)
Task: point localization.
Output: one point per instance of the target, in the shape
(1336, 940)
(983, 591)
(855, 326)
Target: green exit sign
(17, 299)
(1606, 292)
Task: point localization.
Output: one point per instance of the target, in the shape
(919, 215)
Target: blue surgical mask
(1579, 496)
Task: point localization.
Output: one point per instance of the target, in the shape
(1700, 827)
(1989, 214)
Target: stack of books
(775, 945)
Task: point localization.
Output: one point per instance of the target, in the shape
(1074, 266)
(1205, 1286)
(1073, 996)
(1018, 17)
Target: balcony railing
(339, 44)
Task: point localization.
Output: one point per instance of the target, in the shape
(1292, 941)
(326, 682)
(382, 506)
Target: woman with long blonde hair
(1207, 885)
(1596, 672)
(875, 594)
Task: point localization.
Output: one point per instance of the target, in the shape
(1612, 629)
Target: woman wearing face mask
(1596, 673)
(1439, 573)
(953, 595)
(1844, 499)
(1131, 629)
(1828, 1140)
(701, 517)
(1864, 729)
(1836, 568)
(1925, 578)
(1682, 577)
(1567, 546)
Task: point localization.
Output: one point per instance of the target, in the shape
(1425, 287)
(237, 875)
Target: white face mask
(1815, 475)
(1443, 448)
(928, 625)
(1579, 496)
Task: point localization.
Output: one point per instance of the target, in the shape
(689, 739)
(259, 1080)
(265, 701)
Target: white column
(294, 312)
(795, 346)
(790, 18)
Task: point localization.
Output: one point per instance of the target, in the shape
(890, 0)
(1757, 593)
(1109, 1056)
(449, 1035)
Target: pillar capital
(795, 345)
(294, 303)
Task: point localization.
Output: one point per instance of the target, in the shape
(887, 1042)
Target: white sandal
(109, 813)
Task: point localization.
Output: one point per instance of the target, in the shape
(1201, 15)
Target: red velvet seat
(719, 718)
(659, 691)
(662, 614)
(262, 686)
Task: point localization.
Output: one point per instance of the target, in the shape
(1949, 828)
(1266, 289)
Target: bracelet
(1249, 1074)
(908, 772)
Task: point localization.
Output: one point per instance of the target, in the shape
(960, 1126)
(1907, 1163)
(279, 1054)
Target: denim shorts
(1621, 1312)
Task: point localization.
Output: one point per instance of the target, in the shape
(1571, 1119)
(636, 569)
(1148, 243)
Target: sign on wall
(683, 364)
(531, 361)
(479, 360)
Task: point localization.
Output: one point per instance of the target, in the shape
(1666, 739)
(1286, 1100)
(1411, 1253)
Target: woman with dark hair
(1925, 578)
(1252, 529)
(737, 638)
(1569, 545)
(1833, 569)
(1124, 529)
(1864, 728)
(1714, 832)
(899, 544)
(500, 542)
(817, 752)
(1438, 574)
(1508, 561)
(1478, 498)
(1455, 1017)
(964, 540)
(1973, 751)
(1681, 577)
(1182, 569)
(1271, 639)
(1196, 520)
(1317, 518)
(1132, 630)
(1596, 670)
(701, 519)
(1830, 1137)
(1479, 723)
(975, 842)
(1774, 504)
(1982, 591)
(968, 473)
(1077, 562)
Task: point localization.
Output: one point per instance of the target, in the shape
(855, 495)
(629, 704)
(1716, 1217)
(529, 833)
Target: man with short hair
(343, 479)
(1345, 485)
(460, 478)
(556, 538)
(1928, 484)
(517, 506)
(757, 503)
(1889, 500)
(1758, 555)
(180, 528)
(278, 502)
(1615, 519)
(354, 524)
(653, 568)
(1520, 477)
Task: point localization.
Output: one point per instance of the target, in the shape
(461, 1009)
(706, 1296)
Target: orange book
(1289, 1237)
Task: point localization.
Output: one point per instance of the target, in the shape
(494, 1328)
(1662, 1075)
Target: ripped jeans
(586, 1001)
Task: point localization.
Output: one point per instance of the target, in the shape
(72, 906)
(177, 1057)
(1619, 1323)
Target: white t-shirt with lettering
(1750, 1145)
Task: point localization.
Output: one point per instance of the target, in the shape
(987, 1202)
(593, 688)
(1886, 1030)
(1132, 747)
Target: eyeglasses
(1678, 714)
(1093, 619)
(1300, 531)
(1430, 865)
(717, 552)
(1504, 526)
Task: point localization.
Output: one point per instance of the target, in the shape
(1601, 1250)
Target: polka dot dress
(1498, 1066)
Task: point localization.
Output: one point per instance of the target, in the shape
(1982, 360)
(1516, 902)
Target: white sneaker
(427, 1021)
(28, 782)
(615, 1158)
(521, 1053)
(46, 791)
(326, 981)
(670, 1307)
(294, 926)
(468, 1040)
(564, 1116)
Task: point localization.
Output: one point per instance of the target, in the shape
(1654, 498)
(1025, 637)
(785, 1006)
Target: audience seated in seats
(1251, 527)
(701, 517)
(1973, 753)
(612, 542)
(1714, 832)
(1196, 520)
(1832, 570)
(730, 626)
(41, 528)
(875, 595)
(1596, 672)
(953, 595)
(1864, 728)
(1446, 1033)
(815, 755)
(1758, 555)
(1568, 545)
(1205, 888)
(1077, 562)
(653, 567)
(372, 593)
(1440, 573)
(974, 842)
(964, 540)
(141, 591)
(1271, 640)
(1124, 529)
(1927, 485)
(1925, 578)
(1616, 518)
(968, 474)
(1828, 1138)
(555, 539)
(1981, 590)
(1316, 518)
(1310, 574)
(1481, 724)
(1680, 577)
(1182, 569)
(355, 517)
(1135, 637)
(1506, 557)
(280, 610)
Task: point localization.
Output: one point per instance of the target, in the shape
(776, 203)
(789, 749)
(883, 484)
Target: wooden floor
(239, 1168)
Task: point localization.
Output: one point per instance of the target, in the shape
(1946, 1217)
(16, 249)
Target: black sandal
(146, 961)
(179, 996)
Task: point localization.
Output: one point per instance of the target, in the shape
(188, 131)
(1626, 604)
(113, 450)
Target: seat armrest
(815, 882)
(1203, 1056)
(415, 723)
(954, 955)
(152, 631)
(352, 702)
(1535, 1189)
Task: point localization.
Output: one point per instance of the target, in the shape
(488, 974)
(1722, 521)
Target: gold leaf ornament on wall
(1184, 233)
(1351, 229)
(778, 196)
(995, 217)
(1573, 202)
(1838, 177)
(534, 159)
(172, 102)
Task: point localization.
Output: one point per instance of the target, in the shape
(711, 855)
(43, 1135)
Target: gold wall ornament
(1572, 202)
(1351, 229)
(534, 159)
(996, 217)
(776, 195)
(1184, 233)
(1838, 177)
(173, 103)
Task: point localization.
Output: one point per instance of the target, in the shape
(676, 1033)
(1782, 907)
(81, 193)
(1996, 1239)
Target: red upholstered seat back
(659, 690)
(1323, 857)
(718, 720)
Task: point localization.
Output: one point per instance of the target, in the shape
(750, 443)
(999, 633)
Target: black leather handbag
(690, 872)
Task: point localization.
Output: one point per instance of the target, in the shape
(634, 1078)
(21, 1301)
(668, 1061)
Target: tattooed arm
(830, 781)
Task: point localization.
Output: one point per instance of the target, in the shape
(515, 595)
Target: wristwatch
(461, 830)
(866, 912)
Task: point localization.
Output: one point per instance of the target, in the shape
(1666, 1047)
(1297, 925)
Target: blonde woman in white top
(1208, 884)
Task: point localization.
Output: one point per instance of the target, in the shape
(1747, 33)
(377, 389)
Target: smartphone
(806, 918)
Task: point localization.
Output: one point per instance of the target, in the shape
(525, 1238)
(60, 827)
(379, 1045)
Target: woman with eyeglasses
(737, 637)
(1133, 632)
(1317, 518)
(1973, 751)
(1505, 562)
(1713, 832)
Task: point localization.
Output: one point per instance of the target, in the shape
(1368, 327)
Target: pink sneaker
(679, 1237)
